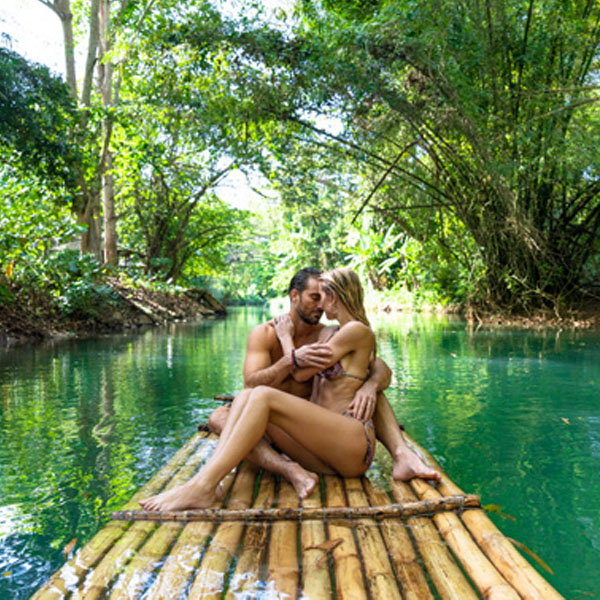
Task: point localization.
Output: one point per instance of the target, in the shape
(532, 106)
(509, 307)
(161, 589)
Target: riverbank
(582, 316)
(28, 314)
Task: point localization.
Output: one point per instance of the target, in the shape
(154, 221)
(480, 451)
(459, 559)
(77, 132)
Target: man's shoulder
(263, 333)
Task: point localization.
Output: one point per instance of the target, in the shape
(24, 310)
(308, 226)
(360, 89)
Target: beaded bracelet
(294, 360)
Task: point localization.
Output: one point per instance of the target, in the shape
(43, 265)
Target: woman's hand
(284, 328)
(315, 355)
(364, 402)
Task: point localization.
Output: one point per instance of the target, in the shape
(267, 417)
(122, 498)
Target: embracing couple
(312, 390)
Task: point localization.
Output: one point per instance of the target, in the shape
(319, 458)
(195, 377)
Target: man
(266, 364)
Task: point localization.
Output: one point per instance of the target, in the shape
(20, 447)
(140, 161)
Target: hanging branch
(382, 179)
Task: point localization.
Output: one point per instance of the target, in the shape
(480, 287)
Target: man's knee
(217, 419)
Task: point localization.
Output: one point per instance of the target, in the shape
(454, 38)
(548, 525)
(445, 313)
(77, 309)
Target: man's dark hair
(300, 279)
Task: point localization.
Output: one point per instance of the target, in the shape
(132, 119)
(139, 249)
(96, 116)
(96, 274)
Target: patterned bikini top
(337, 369)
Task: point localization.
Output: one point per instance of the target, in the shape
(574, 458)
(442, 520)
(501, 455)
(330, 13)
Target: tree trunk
(105, 70)
(63, 9)
(110, 218)
(91, 240)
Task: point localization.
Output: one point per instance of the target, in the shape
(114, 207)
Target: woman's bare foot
(188, 495)
(408, 465)
(304, 481)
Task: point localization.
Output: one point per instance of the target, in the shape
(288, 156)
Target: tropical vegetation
(448, 151)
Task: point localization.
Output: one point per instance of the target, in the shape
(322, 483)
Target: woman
(320, 434)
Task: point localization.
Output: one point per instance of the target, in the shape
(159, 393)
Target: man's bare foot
(188, 495)
(304, 481)
(408, 465)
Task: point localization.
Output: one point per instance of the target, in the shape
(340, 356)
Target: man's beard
(306, 318)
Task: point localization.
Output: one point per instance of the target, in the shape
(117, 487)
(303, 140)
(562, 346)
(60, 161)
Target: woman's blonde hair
(346, 284)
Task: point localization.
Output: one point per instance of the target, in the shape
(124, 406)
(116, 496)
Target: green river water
(511, 415)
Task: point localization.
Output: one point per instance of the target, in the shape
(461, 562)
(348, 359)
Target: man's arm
(364, 402)
(258, 369)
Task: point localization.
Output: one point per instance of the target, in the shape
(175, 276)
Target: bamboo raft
(350, 538)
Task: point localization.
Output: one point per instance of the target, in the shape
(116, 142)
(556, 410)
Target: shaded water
(511, 415)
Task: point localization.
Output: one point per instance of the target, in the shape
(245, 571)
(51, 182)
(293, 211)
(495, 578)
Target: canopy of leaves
(36, 117)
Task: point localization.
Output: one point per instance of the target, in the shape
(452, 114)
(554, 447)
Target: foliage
(448, 149)
(33, 225)
(488, 117)
(32, 219)
(77, 282)
(36, 116)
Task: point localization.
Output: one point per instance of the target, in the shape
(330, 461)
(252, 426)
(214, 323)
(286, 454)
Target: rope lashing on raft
(390, 511)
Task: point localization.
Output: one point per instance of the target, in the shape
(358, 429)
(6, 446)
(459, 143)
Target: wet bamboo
(283, 571)
(184, 557)
(98, 580)
(316, 583)
(71, 574)
(401, 551)
(378, 568)
(408, 509)
(132, 582)
(136, 575)
(445, 574)
(223, 398)
(507, 559)
(481, 571)
(209, 579)
(349, 580)
(246, 581)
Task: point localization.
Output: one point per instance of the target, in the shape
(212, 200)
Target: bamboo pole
(121, 553)
(184, 557)
(403, 555)
(209, 579)
(445, 574)
(482, 572)
(507, 559)
(378, 568)
(316, 583)
(350, 584)
(283, 570)
(390, 511)
(246, 582)
(71, 574)
(224, 397)
(135, 577)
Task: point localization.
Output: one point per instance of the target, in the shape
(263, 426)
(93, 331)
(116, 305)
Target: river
(511, 415)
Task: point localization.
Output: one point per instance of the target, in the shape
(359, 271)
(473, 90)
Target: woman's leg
(297, 452)
(265, 456)
(337, 440)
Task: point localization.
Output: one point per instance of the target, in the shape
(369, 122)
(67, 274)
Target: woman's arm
(352, 337)
(313, 355)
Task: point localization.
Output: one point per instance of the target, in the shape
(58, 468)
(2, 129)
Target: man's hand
(314, 355)
(364, 402)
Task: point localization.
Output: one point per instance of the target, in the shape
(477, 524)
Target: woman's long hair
(346, 284)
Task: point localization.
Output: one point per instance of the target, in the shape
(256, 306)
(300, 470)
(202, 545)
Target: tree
(36, 116)
(103, 22)
(488, 112)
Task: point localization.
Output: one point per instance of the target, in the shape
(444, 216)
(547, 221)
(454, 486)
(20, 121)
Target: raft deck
(285, 553)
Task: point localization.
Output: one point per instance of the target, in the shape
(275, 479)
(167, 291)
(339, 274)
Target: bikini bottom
(370, 453)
